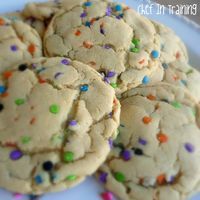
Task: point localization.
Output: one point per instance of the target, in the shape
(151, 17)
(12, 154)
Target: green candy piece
(25, 139)
(114, 85)
(19, 101)
(55, 109)
(120, 177)
(136, 42)
(68, 156)
(71, 177)
(176, 104)
(135, 50)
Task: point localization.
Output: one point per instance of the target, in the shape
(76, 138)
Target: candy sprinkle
(54, 109)
(7, 74)
(13, 48)
(16, 155)
(176, 104)
(71, 177)
(84, 88)
(19, 102)
(2, 89)
(161, 179)
(73, 123)
(107, 195)
(31, 48)
(17, 195)
(142, 141)
(145, 80)
(136, 42)
(118, 7)
(68, 156)
(83, 15)
(1, 107)
(22, 67)
(38, 180)
(25, 139)
(126, 155)
(189, 147)
(87, 4)
(47, 166)
(103, 177)
(147, 120)
(155, 54)
(114, 85)
(135, 50)
(78, 33)
(162, 138)
(138, 152)
(65, 62)
(119, 176)
(108, 11)
(110, 74)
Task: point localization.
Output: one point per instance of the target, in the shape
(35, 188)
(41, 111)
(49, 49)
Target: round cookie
(182, 74)
(172, 47)
(57, 119)
(18, 41)
(156, 155)
(110, 37)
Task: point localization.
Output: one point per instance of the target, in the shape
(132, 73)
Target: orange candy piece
(162, 138)
(161, 179)
(2, 22)
(7, 74)
(141, 62)
(87, 44)
(151, 97)
(5, 94)
(31, 48)
(77, 33)
(147, 120)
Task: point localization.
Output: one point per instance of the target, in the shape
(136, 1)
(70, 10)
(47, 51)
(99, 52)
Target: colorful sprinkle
(22, 67)
(165, 65)
(16, 155)
(176, 104)
(13, 48)
(145, 80)
(55, 109)
(114, 85)
(83, 15)
(19, 102)
(1, 107)
(147, 120)
(47, 166)
(78, 33)
(161, 179)
(136, 42)
(155, 54)
(65, 62)
(110, 142)
(7, 74)
(135, 50)
(71, 177)
(110, 74)
(162, 138)
(118, 7)
(151, 97)
(58, 74)
(17, 195)
(107, 195)
(73, 123)
(126, 155)
(87, 4)
(2, 89)
(178, 55)
(103, 177)
(87, 44)
(108, 11)
(2, 22)
(141, 61)
(138, 152)
(84, 88)
(38, 180)
(68, 156)
(142, 141)
(120, 177)
(31, 48)
(189, 147)
(88, 24)
(25, 139)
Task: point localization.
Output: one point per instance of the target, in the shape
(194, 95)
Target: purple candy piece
(103, 177)
(126, 155)
(142, 141)
(107, 46)
(65, 62)
(110, 74)
(58, 74)
(102, 31)
(73, 123)
(189, 147)
(108, 11)
(107, 80)
(110, 141)
(16, 154)
(83, 15)
(13, 48)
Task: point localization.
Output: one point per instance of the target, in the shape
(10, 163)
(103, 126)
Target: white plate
(90, 189)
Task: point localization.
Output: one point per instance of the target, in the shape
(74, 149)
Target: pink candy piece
(107, 195)
(17, 195)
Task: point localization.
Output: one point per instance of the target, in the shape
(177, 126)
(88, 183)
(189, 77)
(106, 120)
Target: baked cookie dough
(18, 41)
(57, 119)
(172, 47)
(156, 155)
(110, 37)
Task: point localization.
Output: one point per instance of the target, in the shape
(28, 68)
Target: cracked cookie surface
(57, 118)
(156, 154)
(110, 37)
(18, 41)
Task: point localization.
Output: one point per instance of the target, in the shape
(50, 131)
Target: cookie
(156, 155)
(57, 119)
(110, 37)
(18, 41)
(172, 47)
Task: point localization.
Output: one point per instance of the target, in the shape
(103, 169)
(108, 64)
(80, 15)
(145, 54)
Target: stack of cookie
(66, 67)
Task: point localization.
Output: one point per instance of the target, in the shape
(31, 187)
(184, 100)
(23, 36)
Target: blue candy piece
(118, 7)
(38, 180)
(84, 88)
(2, 89)
(155, 54)
(146, 80)
(87, 4)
